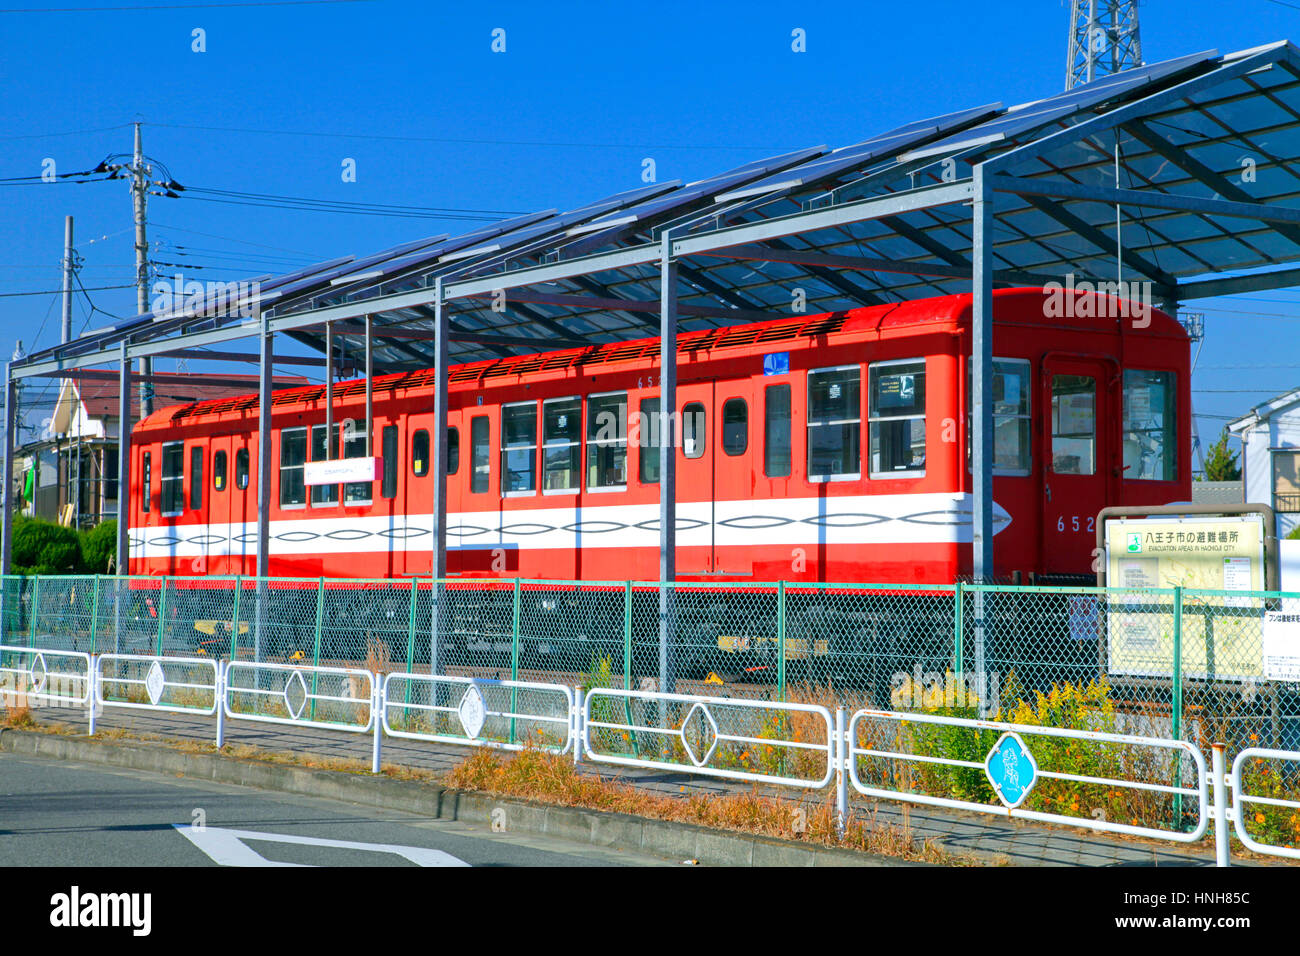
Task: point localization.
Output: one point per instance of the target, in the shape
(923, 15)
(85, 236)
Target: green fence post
(94, 611)
(234, 619)
(1176, 707)
(780, 640)
(514, 659)
(410, 633)
(36, 610)
(958, 636)
(162, 613)
(627, 661)
(315, 652)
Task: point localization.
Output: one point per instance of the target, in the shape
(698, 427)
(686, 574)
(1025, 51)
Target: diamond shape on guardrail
(472, 711)
(295, 694)
(705, 730)
(1011, 769)
(154, 682)
(38, 667)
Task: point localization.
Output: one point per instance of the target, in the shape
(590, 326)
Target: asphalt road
(59, 813)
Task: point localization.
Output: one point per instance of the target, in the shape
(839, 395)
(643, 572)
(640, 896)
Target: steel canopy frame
(623, 279)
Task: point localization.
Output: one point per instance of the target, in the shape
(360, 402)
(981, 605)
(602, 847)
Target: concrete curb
(676, 841)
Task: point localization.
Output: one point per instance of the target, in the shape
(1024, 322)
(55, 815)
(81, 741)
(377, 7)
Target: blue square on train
(778, 363)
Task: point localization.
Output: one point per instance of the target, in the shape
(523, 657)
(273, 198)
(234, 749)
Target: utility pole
(139, 180)
(70, 265)
(1104, 39)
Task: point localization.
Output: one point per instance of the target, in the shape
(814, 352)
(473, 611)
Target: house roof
(100, 399)
(1265, 410)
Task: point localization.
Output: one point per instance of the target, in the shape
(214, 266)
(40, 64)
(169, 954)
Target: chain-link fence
(1169, 663)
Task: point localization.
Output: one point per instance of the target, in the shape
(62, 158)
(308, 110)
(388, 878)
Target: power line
(261, 245)
(93, 288)
(471, 142)
(180, 6)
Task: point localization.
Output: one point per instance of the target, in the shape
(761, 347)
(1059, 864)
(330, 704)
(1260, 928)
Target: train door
(198, 502)
(1079, 415)
(241, 507)
(415, 508)
(696, 488)
(219, 518)
(733, 474)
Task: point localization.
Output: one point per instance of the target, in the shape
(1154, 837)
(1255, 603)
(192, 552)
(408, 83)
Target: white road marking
(227, 847)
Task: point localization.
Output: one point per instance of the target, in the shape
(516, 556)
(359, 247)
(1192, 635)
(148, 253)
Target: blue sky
(584, 92)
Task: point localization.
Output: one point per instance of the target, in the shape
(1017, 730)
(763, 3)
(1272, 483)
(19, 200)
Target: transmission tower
(1104, 39)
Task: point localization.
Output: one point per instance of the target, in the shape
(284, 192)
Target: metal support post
(265, 364)
(377, 717)
(438, 565)
(91, 694)
(981, 362)
(577, 726)
(7, 504)
(1221, 812)
(667, 467)
(162, 614)
(220, 691)
(1176, 705)
(514, 660)
(780, 640)
(840, 752)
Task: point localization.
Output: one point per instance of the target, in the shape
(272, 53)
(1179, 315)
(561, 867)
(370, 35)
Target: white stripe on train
(868, 519)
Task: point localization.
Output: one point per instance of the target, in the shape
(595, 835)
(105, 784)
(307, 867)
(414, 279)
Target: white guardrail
(1012, 769)
(756, 741)
(505, 714)
(145, 682)
(46, 676)
(702, 739)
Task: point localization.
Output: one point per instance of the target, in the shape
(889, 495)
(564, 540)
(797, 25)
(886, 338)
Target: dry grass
(18, 714)
(551, 778)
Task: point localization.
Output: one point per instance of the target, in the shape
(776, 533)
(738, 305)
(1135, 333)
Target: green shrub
(99, 547)
(42, 547)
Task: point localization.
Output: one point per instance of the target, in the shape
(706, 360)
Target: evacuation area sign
(1210, 558)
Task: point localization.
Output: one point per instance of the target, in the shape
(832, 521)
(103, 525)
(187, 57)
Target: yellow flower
(1259, 818)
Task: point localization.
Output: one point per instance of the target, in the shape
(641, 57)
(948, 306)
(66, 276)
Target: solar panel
(885, 144)
(1028, 116)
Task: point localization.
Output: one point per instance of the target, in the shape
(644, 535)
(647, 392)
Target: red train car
(814, 448)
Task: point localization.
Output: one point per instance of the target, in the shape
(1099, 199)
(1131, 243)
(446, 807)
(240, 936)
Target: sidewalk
(993, 839)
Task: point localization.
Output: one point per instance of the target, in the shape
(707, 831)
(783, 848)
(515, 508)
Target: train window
(834, 424)
(695, 432)
(561, 444)
(1074, 424)
(293, 460)
(173, 478)
(322, 495)
(607, 442)
(388, 485)
(1150, 442)
(356, 444)
(420, 453)
(776, 431)
(145, 491)
(519, 449)
(453, 450)
(649, 441)
(241, 469)
(480, 455)
(196, 477)
(735, 426)
(219, 471)
(1011, 421)
(897, 418)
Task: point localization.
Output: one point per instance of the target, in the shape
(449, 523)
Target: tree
(1221, 464)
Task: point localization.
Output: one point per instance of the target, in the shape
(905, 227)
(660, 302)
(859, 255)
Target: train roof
(1012, 307)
